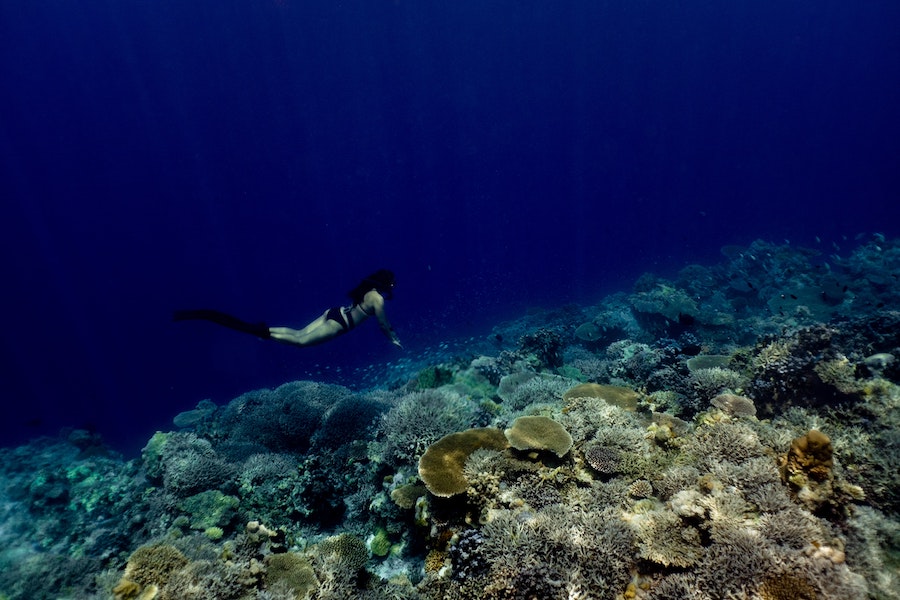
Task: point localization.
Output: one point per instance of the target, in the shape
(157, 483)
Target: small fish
(793, 297)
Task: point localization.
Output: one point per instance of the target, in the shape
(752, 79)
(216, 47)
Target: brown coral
(786, 586)
(539, 433)
(441, 467)
(811, 455)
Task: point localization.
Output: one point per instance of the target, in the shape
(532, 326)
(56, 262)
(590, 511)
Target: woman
(367, 301)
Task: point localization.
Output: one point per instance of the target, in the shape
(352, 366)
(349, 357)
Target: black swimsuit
(343, 317)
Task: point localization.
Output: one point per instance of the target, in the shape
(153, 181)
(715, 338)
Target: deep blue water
(260, 157)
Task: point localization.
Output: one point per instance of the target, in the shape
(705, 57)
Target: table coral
(539, 433)
(441, 467)
(616, 395)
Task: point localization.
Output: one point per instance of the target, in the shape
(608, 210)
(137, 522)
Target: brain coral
(539, 433)
(441, 467)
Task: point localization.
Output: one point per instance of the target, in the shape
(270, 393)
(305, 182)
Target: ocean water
(261, 157)
(648, 280)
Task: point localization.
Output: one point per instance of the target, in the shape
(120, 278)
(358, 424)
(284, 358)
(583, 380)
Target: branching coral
(418, 420)
(665, 539)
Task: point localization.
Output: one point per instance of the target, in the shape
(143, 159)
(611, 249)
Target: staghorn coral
(351, 418)
(207, 580)
(674, 479)
(283, 419)
(665, 538)
(708, 383)
(185, 463)
(731, 442)
(677, 586)
(736, 563)
(520, 390)
(793, 528)
(418, 420)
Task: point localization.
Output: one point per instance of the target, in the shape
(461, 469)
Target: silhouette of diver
(367, 300)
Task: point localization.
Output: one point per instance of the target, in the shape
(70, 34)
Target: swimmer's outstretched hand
(397, 343)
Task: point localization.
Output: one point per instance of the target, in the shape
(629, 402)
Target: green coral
(209, 509)
(379, 543)
(433, 376)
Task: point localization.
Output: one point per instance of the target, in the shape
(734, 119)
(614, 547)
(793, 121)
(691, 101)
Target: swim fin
(260, 330)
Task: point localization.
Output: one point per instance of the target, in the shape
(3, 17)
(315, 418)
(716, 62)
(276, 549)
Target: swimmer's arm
(383, 323)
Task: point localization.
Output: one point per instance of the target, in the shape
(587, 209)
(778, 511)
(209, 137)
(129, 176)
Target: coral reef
(664, 444)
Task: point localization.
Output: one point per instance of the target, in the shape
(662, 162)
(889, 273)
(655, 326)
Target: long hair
(382, 280)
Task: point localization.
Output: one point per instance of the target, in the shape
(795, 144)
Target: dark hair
(382, 280)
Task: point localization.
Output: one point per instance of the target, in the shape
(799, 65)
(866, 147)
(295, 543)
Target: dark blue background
(260, 157)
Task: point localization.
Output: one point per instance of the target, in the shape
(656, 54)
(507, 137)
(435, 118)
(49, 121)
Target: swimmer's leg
(319, 331)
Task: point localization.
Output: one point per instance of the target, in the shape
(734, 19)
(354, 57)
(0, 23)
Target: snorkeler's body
(367, 301)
